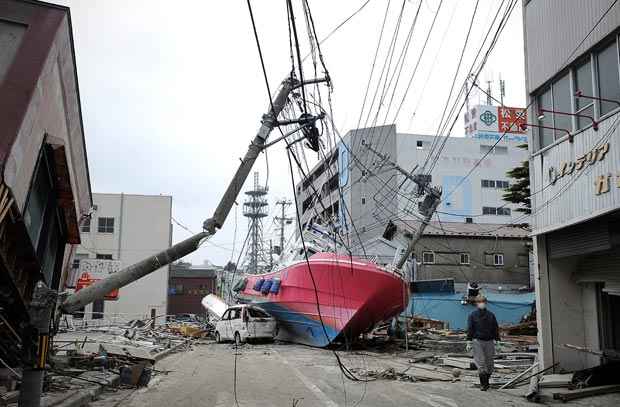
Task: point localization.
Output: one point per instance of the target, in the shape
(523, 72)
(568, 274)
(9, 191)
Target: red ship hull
(353, 296)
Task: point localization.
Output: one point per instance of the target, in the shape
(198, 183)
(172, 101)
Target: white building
(123, 230)
(373, 192)
(573, 77)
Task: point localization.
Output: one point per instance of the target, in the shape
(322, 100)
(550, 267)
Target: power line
(611, 6)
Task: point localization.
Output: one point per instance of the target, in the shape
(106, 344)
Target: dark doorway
(610, 323)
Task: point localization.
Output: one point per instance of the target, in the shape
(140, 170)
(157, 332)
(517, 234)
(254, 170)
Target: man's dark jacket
(482, 325)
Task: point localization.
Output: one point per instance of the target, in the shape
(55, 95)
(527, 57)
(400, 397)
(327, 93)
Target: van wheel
(237, 339)
(218, 339)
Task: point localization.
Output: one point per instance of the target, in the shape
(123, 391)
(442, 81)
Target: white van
(245, 322)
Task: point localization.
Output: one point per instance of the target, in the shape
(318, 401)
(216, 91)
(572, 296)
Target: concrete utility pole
(283, 220)
(136, 271)
(427, 208)
(35, 358)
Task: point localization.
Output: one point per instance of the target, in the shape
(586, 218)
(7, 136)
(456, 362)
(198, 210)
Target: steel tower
(255, 208)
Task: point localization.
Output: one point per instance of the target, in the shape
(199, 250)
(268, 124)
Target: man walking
(482, 330)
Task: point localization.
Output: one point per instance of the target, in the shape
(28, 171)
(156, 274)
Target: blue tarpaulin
(508, 308)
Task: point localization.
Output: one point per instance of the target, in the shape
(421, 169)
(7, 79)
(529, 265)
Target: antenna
(489, 95)
(502, 89)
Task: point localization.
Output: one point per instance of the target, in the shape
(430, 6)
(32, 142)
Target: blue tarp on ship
(508, 308)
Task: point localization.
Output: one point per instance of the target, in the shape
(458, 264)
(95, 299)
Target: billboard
(92, 270)
(491, 122)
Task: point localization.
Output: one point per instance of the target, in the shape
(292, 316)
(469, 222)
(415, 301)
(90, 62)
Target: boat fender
(258, 284)
(275, 286)
(266, 287)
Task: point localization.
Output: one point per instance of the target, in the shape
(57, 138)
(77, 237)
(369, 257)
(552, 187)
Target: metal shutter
(581, 239)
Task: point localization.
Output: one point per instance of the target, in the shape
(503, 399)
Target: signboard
(491, 122)
(92, 270)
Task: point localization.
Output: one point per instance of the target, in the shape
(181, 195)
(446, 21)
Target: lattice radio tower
(255, 208)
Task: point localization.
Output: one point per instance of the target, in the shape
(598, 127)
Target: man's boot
(485, 378)
(482, 381)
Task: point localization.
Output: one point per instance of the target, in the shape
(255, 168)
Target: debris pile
(86, 360)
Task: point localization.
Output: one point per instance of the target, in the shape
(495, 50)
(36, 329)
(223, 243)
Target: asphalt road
(293, 375)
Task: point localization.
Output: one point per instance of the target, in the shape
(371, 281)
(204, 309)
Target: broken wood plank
(461, 363)
(587, 392)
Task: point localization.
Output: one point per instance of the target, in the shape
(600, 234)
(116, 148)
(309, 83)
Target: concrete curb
(87, 393)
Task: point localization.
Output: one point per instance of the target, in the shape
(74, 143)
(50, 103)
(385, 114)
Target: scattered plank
(587, 392)
(461, 363)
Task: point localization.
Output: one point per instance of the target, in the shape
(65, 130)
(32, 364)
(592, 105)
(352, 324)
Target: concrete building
(122, 230)
(494, 256)
(188, 284)
(373, 192)
(571, 46)
(44, 179)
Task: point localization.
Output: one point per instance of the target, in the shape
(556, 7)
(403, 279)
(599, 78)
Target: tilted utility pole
(283, 220)
(136, 271)
(427, 207)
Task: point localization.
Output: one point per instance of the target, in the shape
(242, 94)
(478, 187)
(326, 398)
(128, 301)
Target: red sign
(85, 280)
(510, 119)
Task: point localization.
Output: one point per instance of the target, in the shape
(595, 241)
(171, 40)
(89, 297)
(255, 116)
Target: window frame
(496, 257)
(106, 227)
(424, 254)
(464, 263)
(591, 57)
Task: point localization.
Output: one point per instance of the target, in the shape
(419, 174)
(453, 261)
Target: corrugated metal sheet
(553, 28)
(602, 267)
(578, 240)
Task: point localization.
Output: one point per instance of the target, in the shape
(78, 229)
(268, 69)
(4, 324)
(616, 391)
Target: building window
(464, 258)
(503, 211)
(608, 77)
(469, 220)
(583, 82)
(562, 103)
(428, 258)
(499, 184)
(419, 145)
(85, 228)
(489, 210)
(544, 101)
(498, 259)
(363, 201)
(106, 225)
(100, 256)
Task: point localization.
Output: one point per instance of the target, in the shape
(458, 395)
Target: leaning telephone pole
(283, 220)
(426, 207)
(136, 271)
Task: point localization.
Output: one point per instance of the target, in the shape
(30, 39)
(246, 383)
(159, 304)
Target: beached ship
(328, 297)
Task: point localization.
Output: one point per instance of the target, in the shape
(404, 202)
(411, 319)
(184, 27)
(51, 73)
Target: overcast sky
(172, 92)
